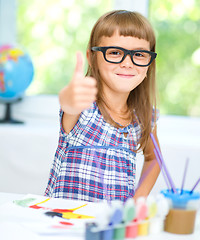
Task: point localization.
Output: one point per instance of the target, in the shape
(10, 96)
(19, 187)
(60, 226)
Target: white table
(11, 231)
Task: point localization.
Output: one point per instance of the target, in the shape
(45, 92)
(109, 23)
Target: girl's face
(123, 77)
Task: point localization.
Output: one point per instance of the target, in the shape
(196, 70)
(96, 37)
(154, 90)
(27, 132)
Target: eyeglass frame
(126, 52)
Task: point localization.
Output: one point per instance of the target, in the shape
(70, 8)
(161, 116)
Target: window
(53, 32)
(178, 62)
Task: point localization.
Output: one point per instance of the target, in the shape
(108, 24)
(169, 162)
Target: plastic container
(182, 199)
(182, 214)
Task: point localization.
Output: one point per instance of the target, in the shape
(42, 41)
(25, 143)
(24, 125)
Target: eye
(114, 52)
(139, 54)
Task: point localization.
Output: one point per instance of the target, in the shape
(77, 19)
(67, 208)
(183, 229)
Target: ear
(88, 57)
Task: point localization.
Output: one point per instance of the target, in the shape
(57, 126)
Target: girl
(106, 116)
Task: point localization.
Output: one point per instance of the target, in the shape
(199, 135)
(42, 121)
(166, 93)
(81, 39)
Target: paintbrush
(184, 175)
(195, 185)
(101, 175)
(161, 168)
(163, 164)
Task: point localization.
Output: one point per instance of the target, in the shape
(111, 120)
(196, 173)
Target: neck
(116, 104)
(116, 111)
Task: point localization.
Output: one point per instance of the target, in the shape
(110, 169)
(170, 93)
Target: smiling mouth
(125, 75)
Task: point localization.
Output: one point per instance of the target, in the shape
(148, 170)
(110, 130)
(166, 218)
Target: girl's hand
(80, 92)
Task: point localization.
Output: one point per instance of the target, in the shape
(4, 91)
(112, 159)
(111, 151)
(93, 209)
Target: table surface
(21, 233)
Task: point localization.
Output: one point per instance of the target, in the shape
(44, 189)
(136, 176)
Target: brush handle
(163, 163)
(184, 175)
(100, 171)
(161, 168)
(198, 181)
(146, 173)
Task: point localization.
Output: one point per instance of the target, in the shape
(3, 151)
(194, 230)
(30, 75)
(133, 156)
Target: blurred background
(52, 31)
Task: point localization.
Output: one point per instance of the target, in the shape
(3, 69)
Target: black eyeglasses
(112, 54)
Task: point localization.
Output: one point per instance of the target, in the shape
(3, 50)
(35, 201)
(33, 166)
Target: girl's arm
(77, 95)
(150, 170)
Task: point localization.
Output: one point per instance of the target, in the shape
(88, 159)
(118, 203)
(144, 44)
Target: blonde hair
(142, 99)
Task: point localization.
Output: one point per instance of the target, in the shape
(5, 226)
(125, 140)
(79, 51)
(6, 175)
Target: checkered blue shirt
(95, 160)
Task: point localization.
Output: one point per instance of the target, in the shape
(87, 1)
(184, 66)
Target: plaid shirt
(95, 160)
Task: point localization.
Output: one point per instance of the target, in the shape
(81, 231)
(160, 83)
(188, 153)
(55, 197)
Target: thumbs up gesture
(80, 92)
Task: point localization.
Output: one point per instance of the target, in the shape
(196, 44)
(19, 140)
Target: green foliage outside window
(53, 31)
(177, 24)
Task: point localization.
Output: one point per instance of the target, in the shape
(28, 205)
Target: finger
(84, 102)
(89, 82)
(79, 64)
(85, 90)
(92, 82)
(84, 105)
(84, 85)
(85, 98)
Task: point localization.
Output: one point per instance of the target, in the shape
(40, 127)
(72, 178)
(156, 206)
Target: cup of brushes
(182, 213)
(183, 203)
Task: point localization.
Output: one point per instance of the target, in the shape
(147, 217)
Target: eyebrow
(135, 49)
(141, 49)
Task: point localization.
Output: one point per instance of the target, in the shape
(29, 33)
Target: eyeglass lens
(115, 55)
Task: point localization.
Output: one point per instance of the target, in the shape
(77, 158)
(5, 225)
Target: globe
(16, 73)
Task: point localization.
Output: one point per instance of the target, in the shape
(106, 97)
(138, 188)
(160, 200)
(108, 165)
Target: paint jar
(132, 229)
(143, 228)
(182, 213)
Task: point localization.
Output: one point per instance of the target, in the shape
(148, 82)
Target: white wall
(141, 6)
(8, 21)
(27, 151)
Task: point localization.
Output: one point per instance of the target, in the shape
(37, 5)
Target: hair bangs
(127, 24)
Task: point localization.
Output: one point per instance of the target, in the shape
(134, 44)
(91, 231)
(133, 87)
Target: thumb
(79, 64)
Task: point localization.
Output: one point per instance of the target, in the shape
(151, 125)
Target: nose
(127, 62)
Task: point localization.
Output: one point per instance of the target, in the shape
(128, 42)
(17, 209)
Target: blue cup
(182, 199)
